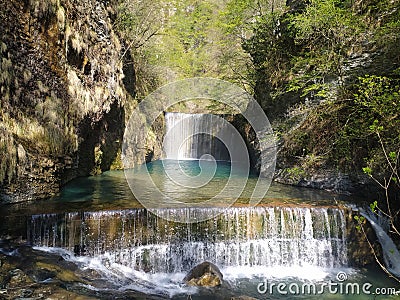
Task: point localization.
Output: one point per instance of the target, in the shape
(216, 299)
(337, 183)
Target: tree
(327, 31)
(139, 23)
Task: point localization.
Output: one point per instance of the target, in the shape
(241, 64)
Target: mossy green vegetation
(330, 58)
(172, 40)
(326, 73)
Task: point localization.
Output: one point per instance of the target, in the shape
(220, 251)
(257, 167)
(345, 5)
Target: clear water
(288, 221)
(110, 191)
(193, 181)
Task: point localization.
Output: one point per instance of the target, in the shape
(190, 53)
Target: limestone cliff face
(62, 94)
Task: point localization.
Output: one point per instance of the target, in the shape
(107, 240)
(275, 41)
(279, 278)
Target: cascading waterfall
(391, 254)
(238, 236)
(190, 136)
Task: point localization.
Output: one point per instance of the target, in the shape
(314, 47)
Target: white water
(135, 250)
(391, 254)
(238, 237)
(191, 136)
(124, 278)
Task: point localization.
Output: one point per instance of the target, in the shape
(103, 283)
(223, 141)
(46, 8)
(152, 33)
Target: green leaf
(367, 170)
(375, 127)
(360, 220)
(393, 156)
(373, 206)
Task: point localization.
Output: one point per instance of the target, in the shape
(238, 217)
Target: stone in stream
(204, 274)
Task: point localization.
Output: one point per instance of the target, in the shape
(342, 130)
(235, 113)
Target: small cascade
(190, 136)
(238, 236)
(391, 254)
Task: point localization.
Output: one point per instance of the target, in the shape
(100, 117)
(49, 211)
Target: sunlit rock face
(204, 274)
(62, 94)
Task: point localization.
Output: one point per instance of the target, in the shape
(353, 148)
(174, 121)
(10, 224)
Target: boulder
(204, 274)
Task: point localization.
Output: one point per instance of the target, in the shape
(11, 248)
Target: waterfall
(391, 254)
(238, 236)
(190, 136)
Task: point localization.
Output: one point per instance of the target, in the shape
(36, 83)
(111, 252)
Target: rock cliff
(62, 94)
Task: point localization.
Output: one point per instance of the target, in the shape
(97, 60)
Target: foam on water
(124, 278)
(302, 273)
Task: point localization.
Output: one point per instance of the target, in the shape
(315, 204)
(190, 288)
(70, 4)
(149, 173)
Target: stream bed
(95, 240)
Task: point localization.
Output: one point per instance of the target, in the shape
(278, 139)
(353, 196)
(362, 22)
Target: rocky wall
(62, 94)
